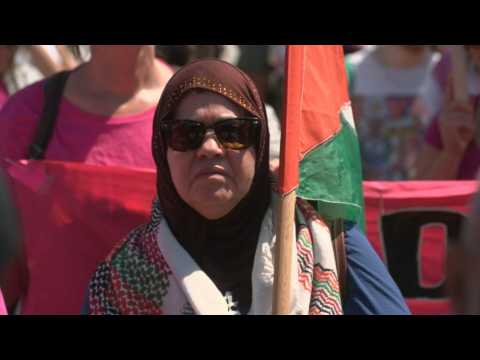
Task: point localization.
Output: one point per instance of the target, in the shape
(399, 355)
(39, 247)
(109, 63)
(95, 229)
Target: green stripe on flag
(331, 175)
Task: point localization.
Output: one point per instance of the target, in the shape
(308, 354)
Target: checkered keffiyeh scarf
(150, 273)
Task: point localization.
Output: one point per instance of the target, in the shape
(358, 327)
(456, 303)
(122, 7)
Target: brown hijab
(223, 248)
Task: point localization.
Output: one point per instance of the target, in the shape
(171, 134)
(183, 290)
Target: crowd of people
(106, 99)
(409, 125)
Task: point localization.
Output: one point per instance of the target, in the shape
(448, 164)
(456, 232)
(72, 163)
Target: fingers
(458, 112)
(460, 107)
(457, 123)
(451, 102)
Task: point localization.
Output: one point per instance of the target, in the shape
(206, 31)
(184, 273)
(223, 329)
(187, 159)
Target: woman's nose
(211, 147)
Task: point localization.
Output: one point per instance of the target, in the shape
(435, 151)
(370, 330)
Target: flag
(320, 156)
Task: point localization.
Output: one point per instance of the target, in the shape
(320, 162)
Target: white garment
(205, 298)
(23, 54)
(25, 73)
(386, 115)
(22, 75)
(274, 128)
(85, 53)
(372, 78)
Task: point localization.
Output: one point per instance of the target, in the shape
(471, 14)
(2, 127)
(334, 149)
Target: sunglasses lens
(236, 134)
(233, 134)
(186, 135)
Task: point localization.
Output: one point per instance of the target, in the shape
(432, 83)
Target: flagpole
(283, 254)
(315, 91)
(288, 181)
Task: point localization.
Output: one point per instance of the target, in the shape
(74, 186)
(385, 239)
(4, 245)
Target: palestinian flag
(320, 156)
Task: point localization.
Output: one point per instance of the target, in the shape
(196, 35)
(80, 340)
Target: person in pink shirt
(105, 102)
(104, 118)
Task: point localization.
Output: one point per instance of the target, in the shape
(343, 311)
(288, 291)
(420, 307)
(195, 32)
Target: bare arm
(68, 60)
(434, 164)
(47, 66)
(457, 126)
(42, 60)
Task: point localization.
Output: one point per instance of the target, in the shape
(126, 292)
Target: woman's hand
(457, 124)
(457, 128)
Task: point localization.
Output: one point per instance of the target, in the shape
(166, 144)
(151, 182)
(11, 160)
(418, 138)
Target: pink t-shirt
(3, 94)
(79, 136)
(3, 309)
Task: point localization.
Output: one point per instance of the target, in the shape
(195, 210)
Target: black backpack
(53, 90)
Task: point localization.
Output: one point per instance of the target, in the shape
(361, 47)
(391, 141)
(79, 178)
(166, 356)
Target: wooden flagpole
(283, 254)
(288, 179)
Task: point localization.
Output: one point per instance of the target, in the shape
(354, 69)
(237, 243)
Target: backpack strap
(53, 90)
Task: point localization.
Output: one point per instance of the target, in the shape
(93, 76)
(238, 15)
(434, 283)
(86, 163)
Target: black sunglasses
(232, 133)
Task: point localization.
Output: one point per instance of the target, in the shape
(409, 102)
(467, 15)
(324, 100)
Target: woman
(104, 118)
(108, 101)
(209, 246)
(385, 81)
(451, 150)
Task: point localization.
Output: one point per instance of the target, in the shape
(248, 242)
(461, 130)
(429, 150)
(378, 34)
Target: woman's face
(211, 180)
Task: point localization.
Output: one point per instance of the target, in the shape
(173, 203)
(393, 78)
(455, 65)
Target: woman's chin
(214, 205)
(218, 189)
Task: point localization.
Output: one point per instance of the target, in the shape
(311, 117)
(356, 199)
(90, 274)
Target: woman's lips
(211, 172)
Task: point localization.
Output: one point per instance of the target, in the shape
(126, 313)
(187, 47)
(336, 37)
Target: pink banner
(73, 214)
(3, 309)
(410, 224)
